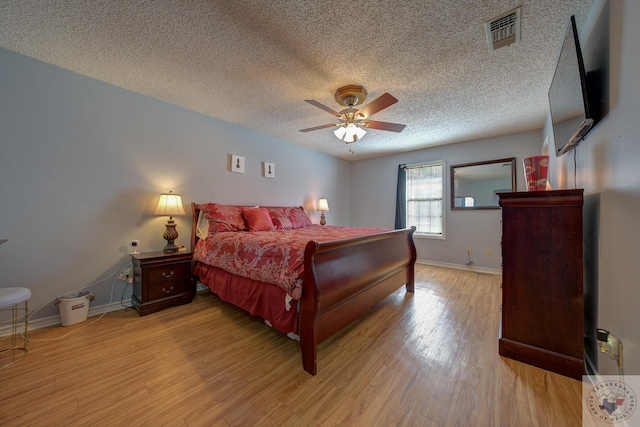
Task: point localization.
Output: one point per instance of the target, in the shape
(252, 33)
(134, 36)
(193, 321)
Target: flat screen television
(568, 99)
(578, 96)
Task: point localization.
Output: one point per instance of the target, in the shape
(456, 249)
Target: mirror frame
(453, 168)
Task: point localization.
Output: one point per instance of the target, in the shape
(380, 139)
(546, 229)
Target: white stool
(10, 300)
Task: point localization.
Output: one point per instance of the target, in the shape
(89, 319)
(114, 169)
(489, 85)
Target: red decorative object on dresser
(542, 280)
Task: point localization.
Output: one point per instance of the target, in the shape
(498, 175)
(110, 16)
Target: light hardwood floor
(423, 359)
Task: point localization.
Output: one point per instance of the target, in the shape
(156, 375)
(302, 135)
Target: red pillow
(282, 223)
(280, 218)
(286, 218)
(223, 218)
(258, 219)
(299, 218)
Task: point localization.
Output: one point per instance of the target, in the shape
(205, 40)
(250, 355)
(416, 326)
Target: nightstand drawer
(167, 273)
(167, 289)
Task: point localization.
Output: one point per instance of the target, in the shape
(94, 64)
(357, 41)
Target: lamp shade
(323, 205)
(169, 205)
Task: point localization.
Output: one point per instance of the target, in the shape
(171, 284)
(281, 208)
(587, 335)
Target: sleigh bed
(303, 279)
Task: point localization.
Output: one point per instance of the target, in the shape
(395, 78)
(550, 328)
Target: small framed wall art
(237, 164)
(269, 170)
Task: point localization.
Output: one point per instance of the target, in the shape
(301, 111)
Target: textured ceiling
(254, 63)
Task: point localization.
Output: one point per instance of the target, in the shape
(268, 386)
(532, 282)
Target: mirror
(476, 185)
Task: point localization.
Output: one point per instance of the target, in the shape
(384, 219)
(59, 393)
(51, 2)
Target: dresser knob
(167, 276)
(167, 291)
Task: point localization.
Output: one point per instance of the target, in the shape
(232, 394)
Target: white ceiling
(254, 63)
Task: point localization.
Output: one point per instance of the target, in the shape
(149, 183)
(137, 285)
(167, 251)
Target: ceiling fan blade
(322, 107)
(330, 125)
(380, 103)
(373, 124)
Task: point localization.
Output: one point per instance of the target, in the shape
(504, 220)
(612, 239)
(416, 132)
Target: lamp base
(170, 234)
(170, 248)
(323, 221)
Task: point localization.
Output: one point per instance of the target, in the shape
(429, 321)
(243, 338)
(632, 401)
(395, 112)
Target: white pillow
(202, 227)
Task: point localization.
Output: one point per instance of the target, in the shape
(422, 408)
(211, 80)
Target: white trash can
(74, 308)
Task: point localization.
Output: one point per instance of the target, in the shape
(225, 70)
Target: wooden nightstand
(160, 280)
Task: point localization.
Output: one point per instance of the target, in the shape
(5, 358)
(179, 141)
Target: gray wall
(83, 164)
(608, 169)
(373, 192)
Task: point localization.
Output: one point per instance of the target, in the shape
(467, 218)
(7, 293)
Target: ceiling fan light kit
(349, 133)
(351, 121)
(340, 132)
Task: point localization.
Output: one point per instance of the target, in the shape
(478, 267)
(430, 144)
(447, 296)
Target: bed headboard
(195, 213)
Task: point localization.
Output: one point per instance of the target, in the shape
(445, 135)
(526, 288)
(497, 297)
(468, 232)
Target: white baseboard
(55, 320)
(460, 267)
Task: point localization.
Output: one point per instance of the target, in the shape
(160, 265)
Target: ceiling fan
(351, 121)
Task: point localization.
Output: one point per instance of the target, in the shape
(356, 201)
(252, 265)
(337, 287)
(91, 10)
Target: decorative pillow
(286, 218)
(299, 218)
(202, 227)
(258, 219)
(224, 218)
(280, 217)
(282, 223)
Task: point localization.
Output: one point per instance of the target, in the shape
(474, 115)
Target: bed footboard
(344, 279)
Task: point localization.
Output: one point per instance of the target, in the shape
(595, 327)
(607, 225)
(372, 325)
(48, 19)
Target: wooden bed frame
(344, 279)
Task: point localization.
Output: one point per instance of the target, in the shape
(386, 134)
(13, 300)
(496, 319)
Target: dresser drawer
(166, 289)
(175, 272)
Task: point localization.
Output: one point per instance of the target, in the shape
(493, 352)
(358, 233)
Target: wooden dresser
(542, 280)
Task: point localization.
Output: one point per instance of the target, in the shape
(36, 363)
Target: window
(425, 196)
(464, 202)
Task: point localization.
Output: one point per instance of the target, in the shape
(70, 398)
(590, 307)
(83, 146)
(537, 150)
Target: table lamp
(170, 204)
(323, 206)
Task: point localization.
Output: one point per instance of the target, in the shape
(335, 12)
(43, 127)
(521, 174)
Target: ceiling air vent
(503, 30)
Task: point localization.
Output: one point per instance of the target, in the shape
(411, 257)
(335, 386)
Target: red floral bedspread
(274, 257)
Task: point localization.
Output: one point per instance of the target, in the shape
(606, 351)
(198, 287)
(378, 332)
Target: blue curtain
(401, 198)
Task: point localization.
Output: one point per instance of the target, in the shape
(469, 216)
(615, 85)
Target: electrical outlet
(468, 251)
(489, 252)
(125, 275)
